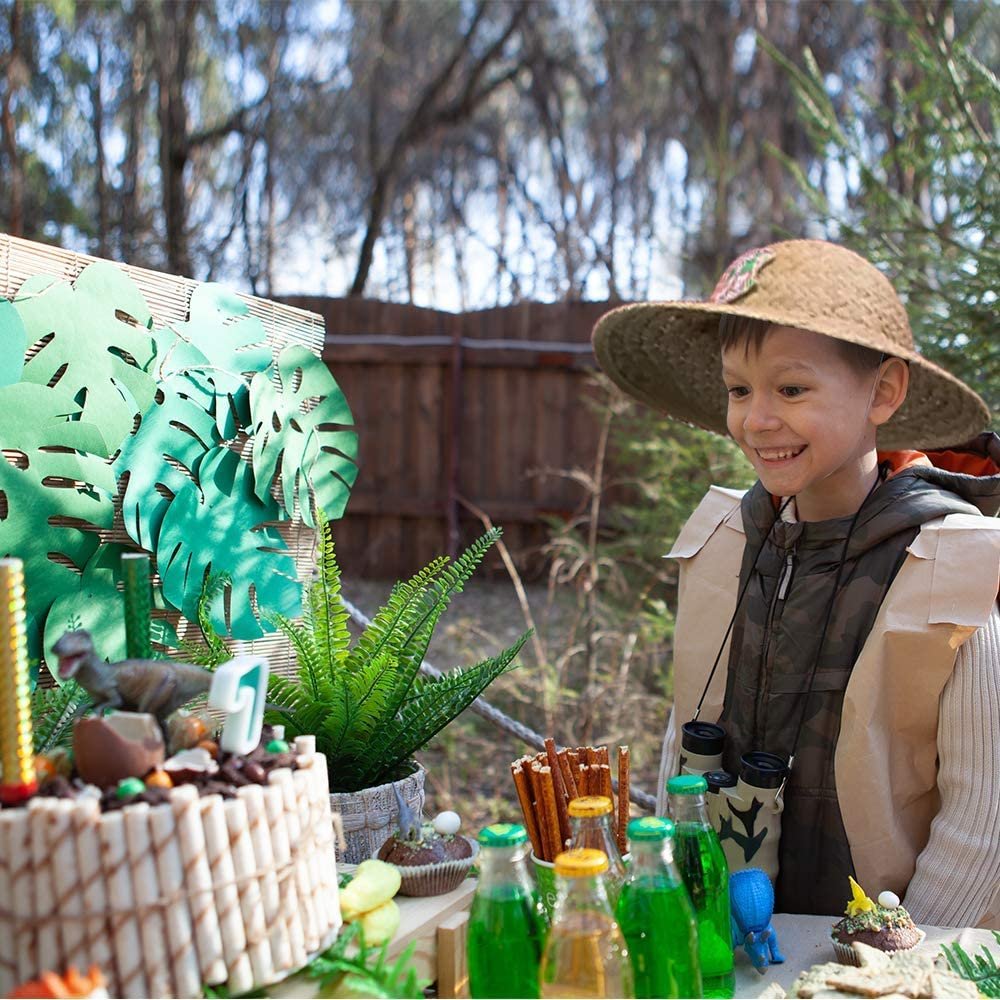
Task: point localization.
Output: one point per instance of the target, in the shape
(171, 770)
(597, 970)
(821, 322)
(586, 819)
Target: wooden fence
(481, 406)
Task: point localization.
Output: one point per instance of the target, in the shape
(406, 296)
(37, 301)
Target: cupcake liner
(438, 878)
(846, 954)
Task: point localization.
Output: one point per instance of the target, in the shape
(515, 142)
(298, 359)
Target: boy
(860, 582)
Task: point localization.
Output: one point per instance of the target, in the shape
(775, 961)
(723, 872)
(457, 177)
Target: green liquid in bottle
(656, 919)
(703, 867)
(504, 943)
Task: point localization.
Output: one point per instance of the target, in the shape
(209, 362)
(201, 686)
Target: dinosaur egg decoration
(447, 823)
(888, 899)
(123, 745)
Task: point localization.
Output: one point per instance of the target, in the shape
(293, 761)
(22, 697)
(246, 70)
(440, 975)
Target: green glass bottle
(703, 867)
(656, 916)
(506, 922)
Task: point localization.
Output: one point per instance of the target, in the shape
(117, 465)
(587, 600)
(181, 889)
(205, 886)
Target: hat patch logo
(741, 276)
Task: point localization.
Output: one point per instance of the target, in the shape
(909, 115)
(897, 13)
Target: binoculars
(745, 809)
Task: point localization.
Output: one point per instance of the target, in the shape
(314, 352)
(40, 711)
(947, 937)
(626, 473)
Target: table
(437, 925)
(805, 940)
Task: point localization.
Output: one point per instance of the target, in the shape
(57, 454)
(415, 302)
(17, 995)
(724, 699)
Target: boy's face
(799, 411)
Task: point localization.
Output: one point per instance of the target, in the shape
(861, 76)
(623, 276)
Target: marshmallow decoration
(239, 689)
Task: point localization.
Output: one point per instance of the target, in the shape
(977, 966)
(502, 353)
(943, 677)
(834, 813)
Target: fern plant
(367, 704)
(981, 969)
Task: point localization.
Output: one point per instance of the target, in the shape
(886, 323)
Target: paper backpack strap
(716, 505)
(965, 549)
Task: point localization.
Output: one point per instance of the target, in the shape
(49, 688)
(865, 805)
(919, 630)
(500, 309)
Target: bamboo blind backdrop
(169, 299)
(472, 406)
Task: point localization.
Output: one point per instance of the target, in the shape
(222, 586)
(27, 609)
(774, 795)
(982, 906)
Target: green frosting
(878, 919)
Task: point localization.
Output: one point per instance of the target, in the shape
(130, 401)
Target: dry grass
(468, 762)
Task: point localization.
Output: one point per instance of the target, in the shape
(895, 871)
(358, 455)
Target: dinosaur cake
(201, 867)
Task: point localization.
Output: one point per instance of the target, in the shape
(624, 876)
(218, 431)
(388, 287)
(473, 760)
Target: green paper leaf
(222, 340)
(45, 486)
(95, 604)
(296, 417)
(99, 348)
(218, 526)
(178, 431)
(219, 333)
(13, 342)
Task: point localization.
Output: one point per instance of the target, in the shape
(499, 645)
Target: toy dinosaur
(159, 687)
(751, 898)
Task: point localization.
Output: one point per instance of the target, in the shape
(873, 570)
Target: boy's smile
(803, 415)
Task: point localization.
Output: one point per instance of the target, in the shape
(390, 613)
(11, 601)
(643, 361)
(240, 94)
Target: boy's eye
(738, 391)
(792, 390)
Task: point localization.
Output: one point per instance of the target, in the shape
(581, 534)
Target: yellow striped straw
(17, 751)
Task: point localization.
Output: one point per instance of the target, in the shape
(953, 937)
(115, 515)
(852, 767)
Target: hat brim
(666, 354)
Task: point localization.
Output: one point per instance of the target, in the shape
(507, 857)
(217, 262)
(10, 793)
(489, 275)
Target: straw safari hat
(667, 354)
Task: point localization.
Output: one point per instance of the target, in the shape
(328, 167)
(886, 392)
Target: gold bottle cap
(590, 805)
(581, 862)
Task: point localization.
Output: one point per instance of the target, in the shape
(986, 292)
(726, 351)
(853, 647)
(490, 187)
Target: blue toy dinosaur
(751, 897)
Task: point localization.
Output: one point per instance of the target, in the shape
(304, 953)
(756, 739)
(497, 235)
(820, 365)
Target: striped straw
(135, 570)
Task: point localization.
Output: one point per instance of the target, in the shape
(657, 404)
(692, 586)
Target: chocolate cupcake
(432, 859)
(884, 925)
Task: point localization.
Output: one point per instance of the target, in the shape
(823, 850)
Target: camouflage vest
(775, 641)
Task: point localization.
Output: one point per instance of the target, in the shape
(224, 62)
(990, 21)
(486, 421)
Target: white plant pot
(371, 816)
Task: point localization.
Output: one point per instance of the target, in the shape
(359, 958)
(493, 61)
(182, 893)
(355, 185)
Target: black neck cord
(736, 610)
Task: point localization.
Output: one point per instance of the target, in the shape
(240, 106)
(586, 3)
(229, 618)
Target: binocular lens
(762, 769)
(704, 738)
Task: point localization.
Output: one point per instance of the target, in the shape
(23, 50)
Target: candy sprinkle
(128, 787)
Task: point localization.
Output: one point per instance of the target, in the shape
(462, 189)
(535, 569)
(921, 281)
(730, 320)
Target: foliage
(111, 420)
(53, 711)
(368, 705)
(924, 204)
(649, 474)
(617, 146)
(367, 972)
(983, 969)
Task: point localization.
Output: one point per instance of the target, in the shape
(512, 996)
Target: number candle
(239, 689)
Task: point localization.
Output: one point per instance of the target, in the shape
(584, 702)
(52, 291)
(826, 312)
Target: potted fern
(366, 702)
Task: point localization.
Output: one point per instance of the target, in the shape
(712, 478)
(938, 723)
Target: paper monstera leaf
(48, 496)
(299, 415)
(98, 348)
(13, 341)
(95, 605)
(218, 527)
(159, 460)
(224, 342)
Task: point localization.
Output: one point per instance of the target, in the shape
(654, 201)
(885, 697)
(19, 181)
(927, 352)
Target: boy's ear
(891, 384)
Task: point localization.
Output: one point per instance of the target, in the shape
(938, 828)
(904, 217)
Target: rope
(500, 719)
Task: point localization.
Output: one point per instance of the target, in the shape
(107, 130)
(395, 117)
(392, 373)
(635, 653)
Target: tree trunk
(135, 105)
(171, 41)
(15, 198)
(100, 183)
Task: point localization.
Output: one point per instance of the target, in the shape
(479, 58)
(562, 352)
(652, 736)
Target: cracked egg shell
(123, 745)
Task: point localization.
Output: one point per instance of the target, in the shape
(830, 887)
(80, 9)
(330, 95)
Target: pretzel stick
(567, 775)
(559, 788)
(623, 800)
(527, 809)
(548, 800)
(541, 818)
(592, 755)
(604, 777)
(602, 756)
